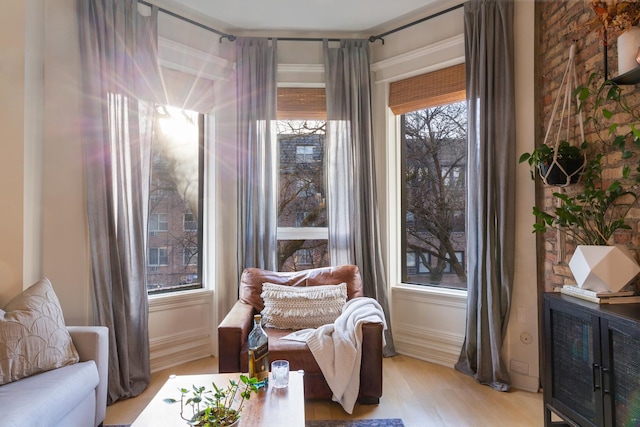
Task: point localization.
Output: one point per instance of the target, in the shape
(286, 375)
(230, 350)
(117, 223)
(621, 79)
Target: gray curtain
(491, 194)
(256, 89)
(116, 45)
(352, 206)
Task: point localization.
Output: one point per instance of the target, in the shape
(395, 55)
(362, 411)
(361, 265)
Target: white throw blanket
(337, 347)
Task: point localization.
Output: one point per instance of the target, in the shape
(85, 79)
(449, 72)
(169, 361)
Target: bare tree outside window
(434, 195)
(301, 204)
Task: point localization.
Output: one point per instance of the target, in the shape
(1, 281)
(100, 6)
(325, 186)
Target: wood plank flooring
(423, 394)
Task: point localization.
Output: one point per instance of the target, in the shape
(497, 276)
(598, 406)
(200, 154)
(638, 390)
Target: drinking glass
(280, 373)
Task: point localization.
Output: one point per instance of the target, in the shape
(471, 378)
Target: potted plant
(591, 214)
(215, 407)
(566, 169)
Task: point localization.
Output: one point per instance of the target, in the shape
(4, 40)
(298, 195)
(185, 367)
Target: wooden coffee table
(270, 407)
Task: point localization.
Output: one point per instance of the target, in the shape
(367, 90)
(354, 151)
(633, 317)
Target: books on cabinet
(621, 297)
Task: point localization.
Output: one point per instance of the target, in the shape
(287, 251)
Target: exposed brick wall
(560, 24)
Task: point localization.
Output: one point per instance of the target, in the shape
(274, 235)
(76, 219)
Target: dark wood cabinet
(592, 362)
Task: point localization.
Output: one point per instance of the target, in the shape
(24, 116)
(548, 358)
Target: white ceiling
(304, 16)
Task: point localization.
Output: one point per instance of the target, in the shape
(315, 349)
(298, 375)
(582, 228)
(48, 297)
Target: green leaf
(583, 93)
(618, 142)
(606, 113)
(627, 154)
(613, 93)
(170, 400)
(615, 186)
(524, 158)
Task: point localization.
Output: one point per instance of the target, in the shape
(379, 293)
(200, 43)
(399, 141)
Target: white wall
(521, 354)
(18, 185)
(64, 224)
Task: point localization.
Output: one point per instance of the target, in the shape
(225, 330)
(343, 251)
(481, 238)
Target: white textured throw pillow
(291, 307)
(33, 335)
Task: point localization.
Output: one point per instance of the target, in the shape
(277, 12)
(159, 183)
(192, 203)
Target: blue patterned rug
(383, 422)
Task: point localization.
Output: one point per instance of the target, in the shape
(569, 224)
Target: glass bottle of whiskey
(258, 352)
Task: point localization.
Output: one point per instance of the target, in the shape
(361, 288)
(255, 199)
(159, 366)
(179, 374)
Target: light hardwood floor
(423, 394)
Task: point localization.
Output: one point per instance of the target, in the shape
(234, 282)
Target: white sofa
(71, 396)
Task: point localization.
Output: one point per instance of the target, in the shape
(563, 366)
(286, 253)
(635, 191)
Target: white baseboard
(429, 345)
(174, 350)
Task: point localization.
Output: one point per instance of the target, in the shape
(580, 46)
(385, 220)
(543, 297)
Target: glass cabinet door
(622, 392)
(575, 387)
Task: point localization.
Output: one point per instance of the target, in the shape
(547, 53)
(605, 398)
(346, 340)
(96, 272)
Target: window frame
(420, 95)
(199, 284)
(403, 249)
(301, 233)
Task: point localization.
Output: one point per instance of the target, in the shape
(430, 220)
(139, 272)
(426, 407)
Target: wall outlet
(520, 367)
(526, 338)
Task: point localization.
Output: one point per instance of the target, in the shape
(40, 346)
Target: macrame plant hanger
(570, 83)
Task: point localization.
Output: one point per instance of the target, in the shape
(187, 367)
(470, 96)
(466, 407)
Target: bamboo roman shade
(301, 103)
(428, 90)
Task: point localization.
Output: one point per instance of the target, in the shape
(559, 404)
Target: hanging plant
(561, 166)
(563, 163)
(592, 215)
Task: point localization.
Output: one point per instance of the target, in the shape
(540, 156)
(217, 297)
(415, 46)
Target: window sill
(180, 297)
(431, 292)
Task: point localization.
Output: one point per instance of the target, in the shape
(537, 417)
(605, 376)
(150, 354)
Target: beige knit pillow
(33, 335)
(291, 307)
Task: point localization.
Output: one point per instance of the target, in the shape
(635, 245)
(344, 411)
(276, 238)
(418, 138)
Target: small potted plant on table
(215, 407)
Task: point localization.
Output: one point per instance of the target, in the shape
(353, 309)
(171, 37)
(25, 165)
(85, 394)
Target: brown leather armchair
(234, 329)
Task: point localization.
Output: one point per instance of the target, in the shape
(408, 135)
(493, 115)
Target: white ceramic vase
(628, 44)
(603, 268)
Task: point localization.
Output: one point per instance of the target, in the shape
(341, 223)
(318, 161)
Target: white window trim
(303, 233)
(394, 195)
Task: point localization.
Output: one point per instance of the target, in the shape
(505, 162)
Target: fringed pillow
(292, 307)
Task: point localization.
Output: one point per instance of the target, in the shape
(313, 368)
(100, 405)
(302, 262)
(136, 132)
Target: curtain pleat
(352, 207)
(256, 90)
(116, 45)
(491, 198)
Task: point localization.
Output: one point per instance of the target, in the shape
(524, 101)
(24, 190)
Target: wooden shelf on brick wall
(629, 78)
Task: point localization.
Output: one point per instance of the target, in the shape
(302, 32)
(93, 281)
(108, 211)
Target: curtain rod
(231, 37)
(222, 35)
(372, 39)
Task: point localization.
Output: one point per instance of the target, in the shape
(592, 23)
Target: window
(433, 121)
(175, 201)
(158, 256)
(304, 153)
(158, 222)
(304, 257)
(190, 222)
(302, 219)
(190, 256)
